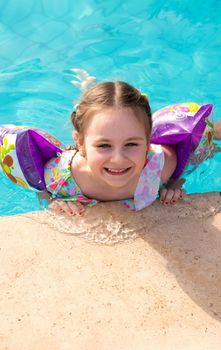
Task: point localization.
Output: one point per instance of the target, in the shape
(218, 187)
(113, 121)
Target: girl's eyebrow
(138, 138)
(135, 138)
(102, 140)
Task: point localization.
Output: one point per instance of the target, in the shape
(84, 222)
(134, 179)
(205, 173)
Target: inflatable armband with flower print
(23, 154)
(188, 127)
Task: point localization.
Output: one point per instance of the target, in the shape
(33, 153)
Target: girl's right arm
(56, 172)
(58, 205)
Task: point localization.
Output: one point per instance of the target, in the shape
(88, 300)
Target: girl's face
(115, 146)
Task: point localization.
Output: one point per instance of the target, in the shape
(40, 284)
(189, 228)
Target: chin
(118, 183)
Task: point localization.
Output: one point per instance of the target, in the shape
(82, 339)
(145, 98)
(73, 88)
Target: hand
(172, 191)
(70, 208)
(171, 196)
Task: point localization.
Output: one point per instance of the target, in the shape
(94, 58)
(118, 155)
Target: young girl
(113, 159)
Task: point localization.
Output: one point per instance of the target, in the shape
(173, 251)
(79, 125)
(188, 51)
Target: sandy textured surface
(158, 288)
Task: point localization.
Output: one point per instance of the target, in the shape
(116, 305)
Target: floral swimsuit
(61, 184)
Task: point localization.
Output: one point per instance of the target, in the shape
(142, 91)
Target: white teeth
(116, 170)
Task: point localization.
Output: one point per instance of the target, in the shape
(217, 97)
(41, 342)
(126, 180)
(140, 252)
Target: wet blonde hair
(111, 94)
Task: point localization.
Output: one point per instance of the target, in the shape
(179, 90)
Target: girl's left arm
(169, 193)
(170, 163)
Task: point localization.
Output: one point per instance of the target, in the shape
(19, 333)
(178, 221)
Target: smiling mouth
(117, 171)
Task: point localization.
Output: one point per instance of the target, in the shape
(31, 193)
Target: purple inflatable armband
(183, 126)
(23, 153)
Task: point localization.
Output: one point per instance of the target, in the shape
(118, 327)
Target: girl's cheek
(101, 153)
(97, 156)
(137, 153)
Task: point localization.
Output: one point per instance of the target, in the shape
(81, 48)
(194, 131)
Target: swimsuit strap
(60, 182)
(149, 182)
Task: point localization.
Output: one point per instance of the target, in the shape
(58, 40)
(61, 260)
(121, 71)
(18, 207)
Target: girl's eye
(104, 145)
(131, 144)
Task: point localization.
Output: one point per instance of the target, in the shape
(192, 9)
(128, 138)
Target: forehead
(115, 120)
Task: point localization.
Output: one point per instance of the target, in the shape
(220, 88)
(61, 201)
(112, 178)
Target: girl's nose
(117, 155)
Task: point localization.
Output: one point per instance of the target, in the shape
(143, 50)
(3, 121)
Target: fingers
(76, 208)
(171, 196)
(166, 196)
(70, 208)
(182, 193)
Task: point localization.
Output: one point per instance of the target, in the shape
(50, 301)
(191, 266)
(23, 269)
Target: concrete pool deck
(160, 290)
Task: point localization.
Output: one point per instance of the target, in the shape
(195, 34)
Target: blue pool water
(171, 50)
